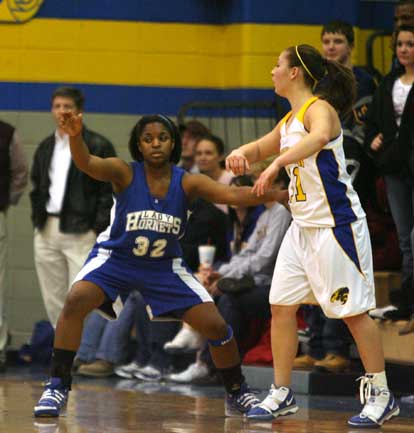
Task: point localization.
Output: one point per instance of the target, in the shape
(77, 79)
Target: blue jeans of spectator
(109, 340)
(238, 309)
(151, 337)
(158, 334)
(400, 193)
(326, 335)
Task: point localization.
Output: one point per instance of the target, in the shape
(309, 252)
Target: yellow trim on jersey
(285, 118)
(301, 113)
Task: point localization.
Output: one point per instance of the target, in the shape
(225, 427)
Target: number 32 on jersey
(143, 246)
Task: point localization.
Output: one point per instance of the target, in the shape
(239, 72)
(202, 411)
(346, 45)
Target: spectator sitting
(206, 225)
(191, 133)
(106, 343)
(242, 219)
(255, 261)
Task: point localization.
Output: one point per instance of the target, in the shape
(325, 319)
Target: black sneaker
(240, 403)
(399, 314)
(234, 285)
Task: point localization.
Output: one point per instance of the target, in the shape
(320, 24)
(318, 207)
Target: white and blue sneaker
(53, 399)
(380, 405)
(238, 404)
(279, 402)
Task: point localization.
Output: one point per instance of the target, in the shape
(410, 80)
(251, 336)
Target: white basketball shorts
(328, 266)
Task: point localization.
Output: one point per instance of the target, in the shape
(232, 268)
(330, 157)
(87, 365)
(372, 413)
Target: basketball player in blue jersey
(140, 250)
(326, 254)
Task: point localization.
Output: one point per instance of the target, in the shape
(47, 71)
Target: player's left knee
(218, 342)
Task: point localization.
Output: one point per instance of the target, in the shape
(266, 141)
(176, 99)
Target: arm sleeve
(18, 169)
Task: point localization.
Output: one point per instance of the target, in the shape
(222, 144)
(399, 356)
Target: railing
(235, 121)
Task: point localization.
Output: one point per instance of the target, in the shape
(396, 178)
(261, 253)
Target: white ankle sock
(379, 379)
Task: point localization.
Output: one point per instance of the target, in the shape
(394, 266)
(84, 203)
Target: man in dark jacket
(13, 180)
(68, 207)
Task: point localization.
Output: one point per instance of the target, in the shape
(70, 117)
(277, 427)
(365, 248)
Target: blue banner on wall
(362, 14)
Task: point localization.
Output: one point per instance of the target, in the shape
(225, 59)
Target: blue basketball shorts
(166, 285)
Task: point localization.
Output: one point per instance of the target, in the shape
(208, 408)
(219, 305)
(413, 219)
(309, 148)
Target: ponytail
(338, 85)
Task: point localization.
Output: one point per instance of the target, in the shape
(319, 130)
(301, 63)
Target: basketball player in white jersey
(326, 254)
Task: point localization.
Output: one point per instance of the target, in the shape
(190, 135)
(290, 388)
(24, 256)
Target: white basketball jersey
(320, 190)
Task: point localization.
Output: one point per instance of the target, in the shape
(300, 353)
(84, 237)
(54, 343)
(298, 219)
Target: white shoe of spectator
(187, 340)
(148, 374)
(378, 313)
(127, 371)
(408, 399)
(195, 371)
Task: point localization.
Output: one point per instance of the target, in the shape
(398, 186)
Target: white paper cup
(206, 254)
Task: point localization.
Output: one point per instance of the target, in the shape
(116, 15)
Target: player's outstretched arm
(201, 186)
(240, 159)
(113, 170)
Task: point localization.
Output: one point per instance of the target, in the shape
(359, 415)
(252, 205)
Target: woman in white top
(389, 138)
(326, 253)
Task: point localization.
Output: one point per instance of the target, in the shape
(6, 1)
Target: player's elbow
(81, 164)
(323, 138)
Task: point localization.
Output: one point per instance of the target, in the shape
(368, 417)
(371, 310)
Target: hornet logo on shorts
(340, 295)
(18, 11)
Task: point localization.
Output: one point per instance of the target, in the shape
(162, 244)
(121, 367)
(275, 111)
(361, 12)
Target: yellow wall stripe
(153, 54)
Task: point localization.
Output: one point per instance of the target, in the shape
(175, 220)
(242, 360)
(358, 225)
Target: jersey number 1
(300, 195)
(142, 246)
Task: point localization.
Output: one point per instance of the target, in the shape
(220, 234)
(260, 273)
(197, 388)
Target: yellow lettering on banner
(18, 11)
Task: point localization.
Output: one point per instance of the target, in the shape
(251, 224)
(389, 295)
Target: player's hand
(237, 163)
(70, 123)
(266, 178)
(376, 143)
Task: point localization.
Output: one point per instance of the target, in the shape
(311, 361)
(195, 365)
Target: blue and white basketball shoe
(380, 405)
(53, 399)
(279, 402)
(238, 404)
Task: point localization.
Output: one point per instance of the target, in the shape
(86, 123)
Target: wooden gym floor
(125, 406)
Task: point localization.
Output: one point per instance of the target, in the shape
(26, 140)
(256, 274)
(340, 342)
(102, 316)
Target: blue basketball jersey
(144, 227)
